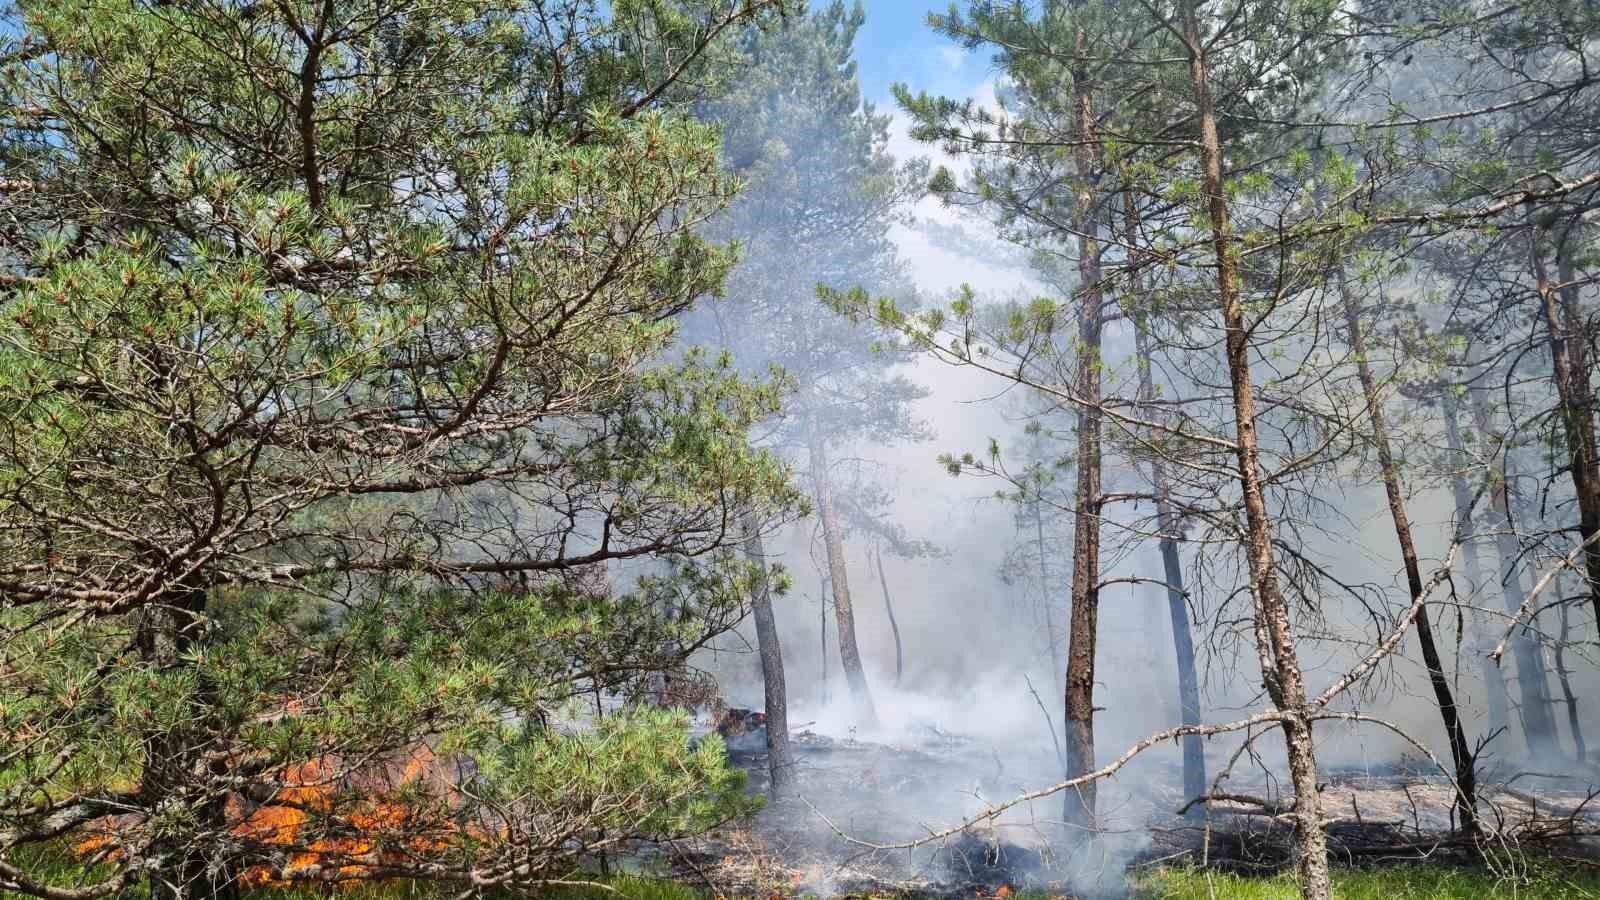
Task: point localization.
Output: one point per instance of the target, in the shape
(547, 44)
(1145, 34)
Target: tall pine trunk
(1461, 754)
(780, 762)
(832, 537)
(1167, 521)
(1079, 804)
(1280, 663)
(1563, 318)
(1538, 722)
(1494, 686)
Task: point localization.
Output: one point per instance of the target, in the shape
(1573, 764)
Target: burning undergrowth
(327, 820)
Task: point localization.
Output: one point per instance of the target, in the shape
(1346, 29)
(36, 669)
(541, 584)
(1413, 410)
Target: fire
(381, 831)
(375, 830)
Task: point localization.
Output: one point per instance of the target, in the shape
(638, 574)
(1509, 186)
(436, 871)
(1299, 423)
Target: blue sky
(896, 44)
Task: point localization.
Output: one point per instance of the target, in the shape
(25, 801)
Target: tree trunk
(894, 626)
(1574, 721)
(1079, 804)
(780, 762)
(1538, 723)
(1461, 754)
(174, 770)
(844, 613)
(1167, 520)
(1280, 663)
(1563, 319)
(1494, 686)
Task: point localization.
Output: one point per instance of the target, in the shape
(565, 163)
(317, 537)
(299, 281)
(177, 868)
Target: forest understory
(1396, 814)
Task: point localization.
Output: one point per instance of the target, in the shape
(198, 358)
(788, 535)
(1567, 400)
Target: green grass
(1533, 881)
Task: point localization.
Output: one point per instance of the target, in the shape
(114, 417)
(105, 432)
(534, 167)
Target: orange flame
(381, 831)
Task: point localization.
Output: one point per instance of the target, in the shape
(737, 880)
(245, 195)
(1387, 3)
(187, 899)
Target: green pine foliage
(338, 377)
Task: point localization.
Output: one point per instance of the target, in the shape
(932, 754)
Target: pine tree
(823, 194)
(332, 355)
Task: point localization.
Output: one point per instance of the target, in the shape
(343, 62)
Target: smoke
(977, 666)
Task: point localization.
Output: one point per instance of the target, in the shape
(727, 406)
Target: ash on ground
(854, 794)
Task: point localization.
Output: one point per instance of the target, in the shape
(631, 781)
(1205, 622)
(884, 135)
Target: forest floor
(1548, 880)
(1387, 835)
(1389, 826)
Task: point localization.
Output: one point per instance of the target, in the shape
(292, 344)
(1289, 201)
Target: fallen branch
(993, 812)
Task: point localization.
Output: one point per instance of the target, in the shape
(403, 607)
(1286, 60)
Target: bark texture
(780, 761)
(1079, 804)
(1280, 663)
(1563, 318)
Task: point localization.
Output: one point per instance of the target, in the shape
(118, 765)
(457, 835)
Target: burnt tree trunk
(1280, 664)
(1538, 723)
(849, 653)
(1079, 803)
(1494, 686)
(894, 626)
(1563, 318)
(1461, 755)
(780, 762)
(1167, 520)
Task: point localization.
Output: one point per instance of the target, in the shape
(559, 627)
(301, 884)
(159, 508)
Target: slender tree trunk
(1494, 686)
(1194, 759)
(1167, 520)
(1580, 748)
(1194, 756)
(894, 626)
(1079, 805)
(1461, 754)
(780, 762)
(174, 771)
(1280, 663)
(1563, 318)
(844, 613)
(1538, 724)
